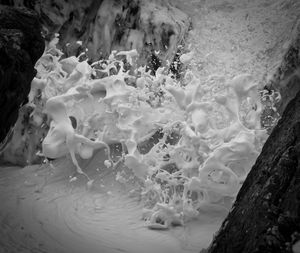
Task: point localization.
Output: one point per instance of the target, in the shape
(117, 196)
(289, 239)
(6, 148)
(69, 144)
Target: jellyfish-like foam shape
(62, 139)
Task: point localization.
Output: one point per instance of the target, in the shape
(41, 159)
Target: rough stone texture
(25, 141)
(287, 76)
(266, 214)
(106, 25)
(21, 44)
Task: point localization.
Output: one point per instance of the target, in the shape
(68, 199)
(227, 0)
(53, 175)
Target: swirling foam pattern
(42, 211)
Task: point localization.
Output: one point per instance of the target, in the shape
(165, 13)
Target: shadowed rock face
(21, 44)
(28, 23)
(286, 79)
(106, 25)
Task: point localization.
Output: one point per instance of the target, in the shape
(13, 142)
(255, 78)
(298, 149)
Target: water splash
(190, 143)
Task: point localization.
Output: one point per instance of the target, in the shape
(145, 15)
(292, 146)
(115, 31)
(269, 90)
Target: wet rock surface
(286, 78)
(154, 28)
(21, 44)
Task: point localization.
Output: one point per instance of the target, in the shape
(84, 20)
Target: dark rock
(27, 21)
(287, 76)
(25, 140)
(21, 44)
(266, 214)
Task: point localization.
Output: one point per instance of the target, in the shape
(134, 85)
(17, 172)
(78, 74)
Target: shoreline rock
(21, 44)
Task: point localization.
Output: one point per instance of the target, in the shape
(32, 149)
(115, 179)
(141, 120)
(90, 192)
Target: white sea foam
(209, 138)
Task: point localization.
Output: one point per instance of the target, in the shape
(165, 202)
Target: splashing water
(190, 144)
